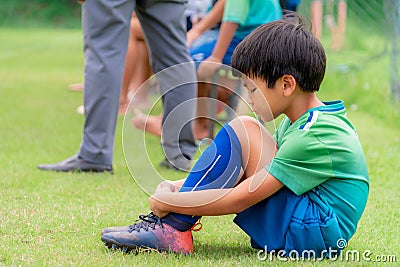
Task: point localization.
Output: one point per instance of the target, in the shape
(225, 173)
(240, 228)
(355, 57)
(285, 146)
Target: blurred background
(40, 13)
(364, 35)
(371, 32)
(52, 219)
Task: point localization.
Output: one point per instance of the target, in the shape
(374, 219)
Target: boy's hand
(167, 186)
(208, 67)
(155, 206)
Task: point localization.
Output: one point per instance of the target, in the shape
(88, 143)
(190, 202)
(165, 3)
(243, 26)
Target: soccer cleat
(150, 232)
(116, 229)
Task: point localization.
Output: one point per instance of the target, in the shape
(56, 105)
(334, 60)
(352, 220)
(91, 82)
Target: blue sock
(218, 167)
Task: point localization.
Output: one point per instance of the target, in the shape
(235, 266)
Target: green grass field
(55, 218)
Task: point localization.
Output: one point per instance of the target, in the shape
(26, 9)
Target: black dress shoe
(75, 163)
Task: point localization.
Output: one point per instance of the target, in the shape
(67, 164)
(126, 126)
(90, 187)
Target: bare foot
(76, 87)
(150, 124)
(140, 103)
(139, 100)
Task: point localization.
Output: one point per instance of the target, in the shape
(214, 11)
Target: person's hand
(155, 207)
(166, 186)
(208, 67)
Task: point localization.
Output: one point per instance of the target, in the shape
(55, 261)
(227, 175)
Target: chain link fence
(355, 33)
(392, 9)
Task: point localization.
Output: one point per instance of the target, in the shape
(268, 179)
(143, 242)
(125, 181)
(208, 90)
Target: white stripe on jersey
(314, 118)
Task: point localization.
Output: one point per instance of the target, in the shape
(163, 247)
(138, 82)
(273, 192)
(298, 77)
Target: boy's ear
(289, 84)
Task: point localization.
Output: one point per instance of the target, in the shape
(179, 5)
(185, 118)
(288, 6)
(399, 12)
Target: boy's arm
(217, 201)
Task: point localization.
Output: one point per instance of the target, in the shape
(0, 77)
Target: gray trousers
(105, 25)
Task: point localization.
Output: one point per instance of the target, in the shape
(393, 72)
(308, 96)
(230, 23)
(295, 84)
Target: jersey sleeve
(302, 162)
(236, 11)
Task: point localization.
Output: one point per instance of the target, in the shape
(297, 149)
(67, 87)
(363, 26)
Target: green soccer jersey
(320, 154)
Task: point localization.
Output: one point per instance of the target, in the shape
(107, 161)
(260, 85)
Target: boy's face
(265, 102)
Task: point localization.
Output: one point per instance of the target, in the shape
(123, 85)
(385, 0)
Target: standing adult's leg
(105, 32)
(105, 26)
(137, 69)
(164, 27)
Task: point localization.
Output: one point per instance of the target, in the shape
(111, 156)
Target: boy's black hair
(282, 47)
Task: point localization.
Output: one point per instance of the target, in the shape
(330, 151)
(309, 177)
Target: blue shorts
(288, 222)
(203, 46)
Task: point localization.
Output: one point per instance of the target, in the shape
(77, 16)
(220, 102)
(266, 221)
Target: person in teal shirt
(301, 190)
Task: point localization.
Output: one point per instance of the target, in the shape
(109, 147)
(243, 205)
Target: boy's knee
(243, 121)
(244, 127)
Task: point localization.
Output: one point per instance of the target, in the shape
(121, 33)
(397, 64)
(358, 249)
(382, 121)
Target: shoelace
(149, 220)
(196, 227)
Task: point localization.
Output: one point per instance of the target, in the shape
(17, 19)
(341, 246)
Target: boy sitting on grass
(303, 189)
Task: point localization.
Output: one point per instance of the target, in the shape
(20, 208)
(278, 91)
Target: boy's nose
(250, 101)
